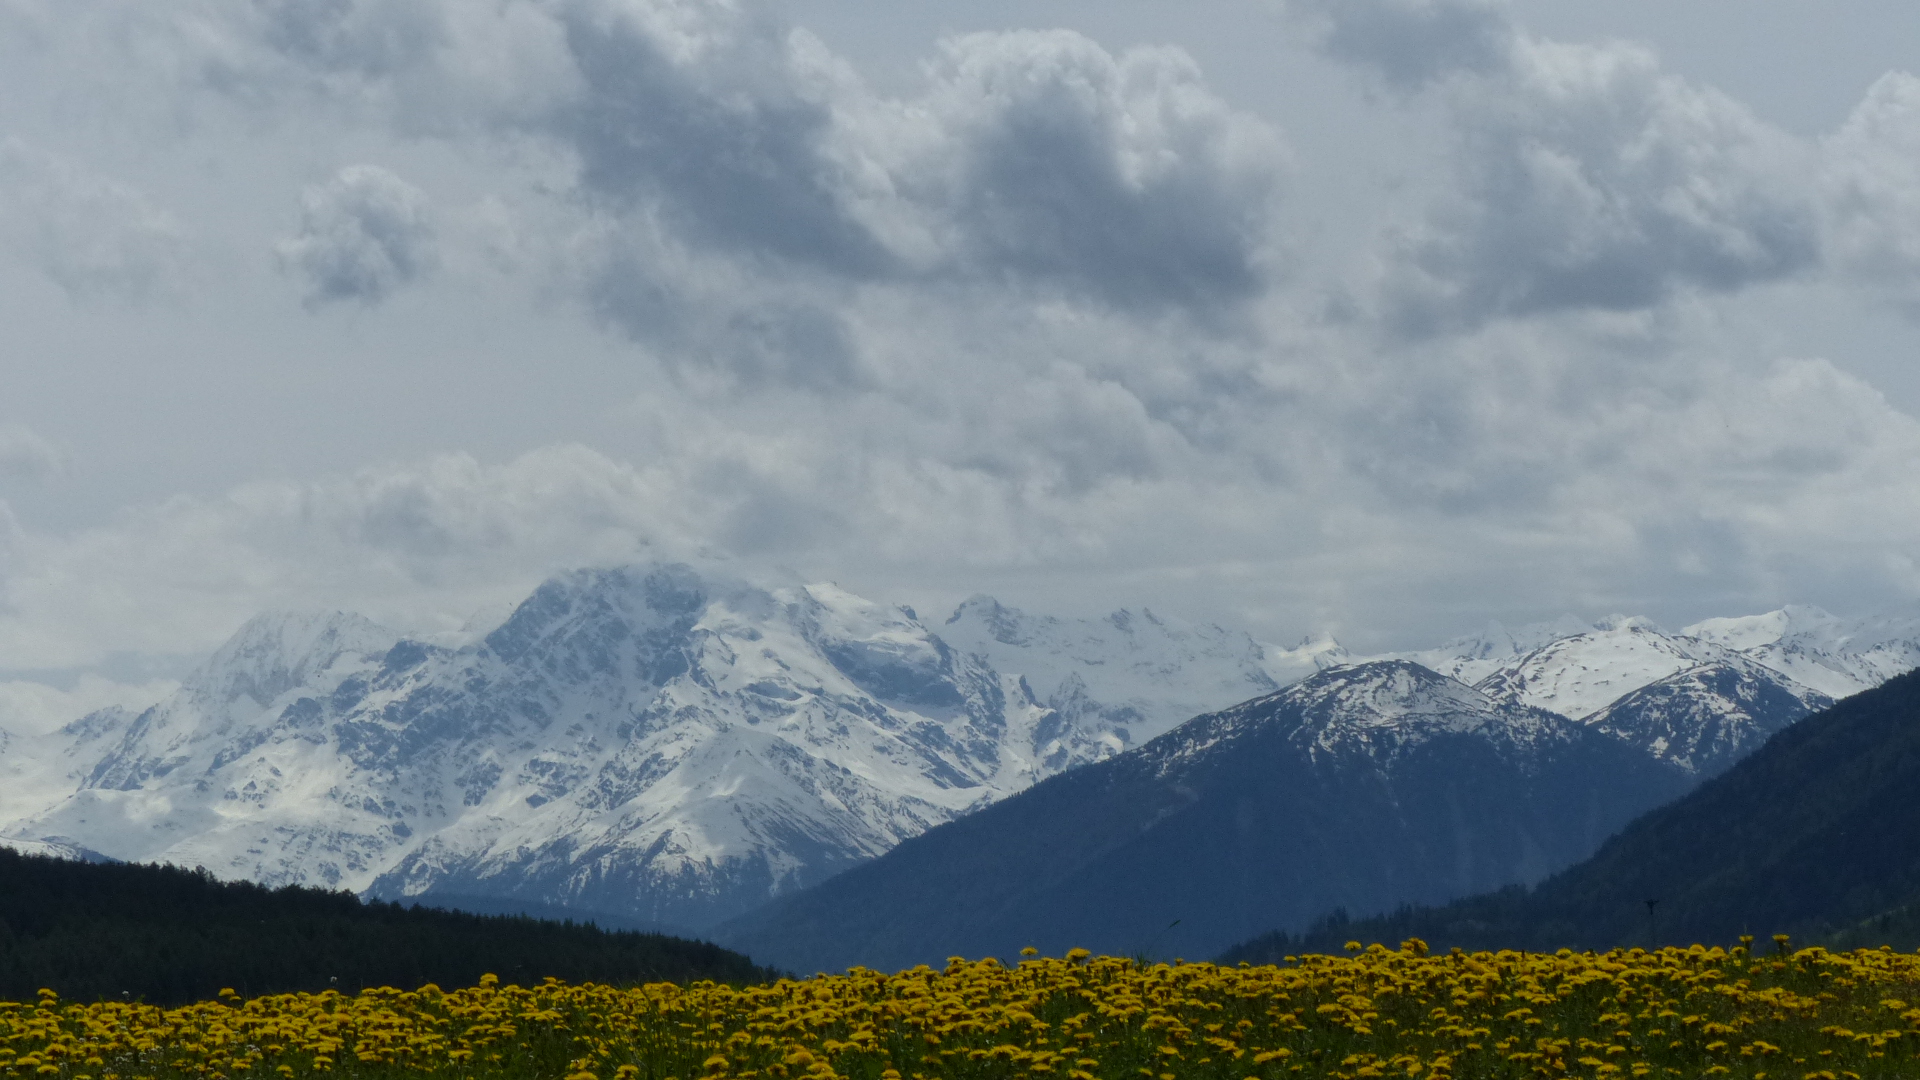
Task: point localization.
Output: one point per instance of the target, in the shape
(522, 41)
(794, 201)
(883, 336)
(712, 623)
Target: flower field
(1403, 1013)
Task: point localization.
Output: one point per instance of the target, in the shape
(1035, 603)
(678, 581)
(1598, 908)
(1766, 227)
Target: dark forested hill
(1363, 786)
(168, 935)
(1817, 833)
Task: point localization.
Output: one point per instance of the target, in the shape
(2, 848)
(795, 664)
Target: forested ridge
(165, 934)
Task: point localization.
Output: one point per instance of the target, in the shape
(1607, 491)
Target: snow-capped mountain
(1578, 668)
(1151, 672)
(39, 770)
(1360, 787)
(1708, 716)
(1581, 674)
(670, 747)
(1838, 657)
(648, 742)
(1474, 657)
(1381, 710)
(1683, 699)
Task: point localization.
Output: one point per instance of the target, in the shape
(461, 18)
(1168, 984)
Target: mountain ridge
(679, 745)
(1800, 837)
(1279, 808)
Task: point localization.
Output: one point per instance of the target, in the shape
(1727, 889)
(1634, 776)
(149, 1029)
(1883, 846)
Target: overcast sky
(1380, 317)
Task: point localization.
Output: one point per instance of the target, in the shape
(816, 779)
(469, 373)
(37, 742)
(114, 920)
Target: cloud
(1121, 178)
(362, 235)
(1373, 495)
(1587, 178)
(97, 238)
(738, 181)
(25, 454)
(1027, 321)
(34, 708)
(1870, 181)
(1037, 157)
(1410, 43)
(715, 120)
(1033, 161)
(420, 545)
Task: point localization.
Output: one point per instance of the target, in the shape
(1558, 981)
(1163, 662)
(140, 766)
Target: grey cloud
(714, 126)
(1121, 178)
(347, 36)
(23, 453)
(708, 317)
(1410, 43)
(1590, 179)
(362, 234)
(752, 182)
(1035, 163)
(1036, 158)
(97, 238)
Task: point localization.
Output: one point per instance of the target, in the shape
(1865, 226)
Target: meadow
(1810, 1013)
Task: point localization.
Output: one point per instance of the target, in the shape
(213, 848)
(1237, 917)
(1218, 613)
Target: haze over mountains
(660, 746)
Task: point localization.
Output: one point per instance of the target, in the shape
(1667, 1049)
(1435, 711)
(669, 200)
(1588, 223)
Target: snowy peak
(1838, 657)
(1388, 693)
(1744, 632)
(1400, 703)
(884, 650)
(1378, 709)
(982, 616)
(275, 652)
(1580, 675)
(1617, 621)
(1706, 717)
(1475, 656)
(1121, 679)
(587, 623)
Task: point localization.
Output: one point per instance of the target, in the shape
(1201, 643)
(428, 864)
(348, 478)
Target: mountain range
(1356, 788)
(1811, 836)
(664, 747)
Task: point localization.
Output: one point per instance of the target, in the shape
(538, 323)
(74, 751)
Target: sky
(1379, 318)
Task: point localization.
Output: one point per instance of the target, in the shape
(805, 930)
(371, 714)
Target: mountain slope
(647, 742)
(665, 747)
(1150, 672)
(1581, 674)
(1362, 787)
(1705, 718)
(1810, 834)
(1835, 656)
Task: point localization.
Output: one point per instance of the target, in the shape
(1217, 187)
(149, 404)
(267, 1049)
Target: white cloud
(1361, 500)
(97, 238)
(363, 234)
(1871, 184)
(1587, 177)
(421, 546)
(32, 708)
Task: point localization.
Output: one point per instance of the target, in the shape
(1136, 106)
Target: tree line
(169, 935)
